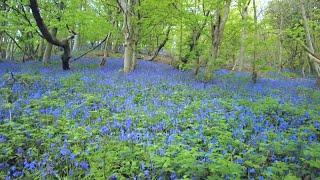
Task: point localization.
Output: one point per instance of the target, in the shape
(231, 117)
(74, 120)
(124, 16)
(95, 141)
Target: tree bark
(105, 52)
(127, 9)
(76, 40)
(41, 49)
(254, 74)
(217, 30)
(48, 50)
(8, 49)
(64, 44)
(310, 43)
(163, 43)
(244, 34)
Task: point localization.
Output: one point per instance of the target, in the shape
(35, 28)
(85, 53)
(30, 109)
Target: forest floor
(156, 122)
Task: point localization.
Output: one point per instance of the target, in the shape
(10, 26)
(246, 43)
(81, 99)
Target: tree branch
(42, 27)
(77, 58)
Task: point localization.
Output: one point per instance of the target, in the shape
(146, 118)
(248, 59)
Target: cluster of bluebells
(67, 116)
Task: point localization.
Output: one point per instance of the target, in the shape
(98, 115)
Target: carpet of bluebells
(155, 123)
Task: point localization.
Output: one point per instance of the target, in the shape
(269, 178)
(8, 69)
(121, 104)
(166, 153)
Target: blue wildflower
(3, 165)
(128, 123)
(3, 138)
(317, 125)
(30, 166)
(173, 176)
(84, 165)
(64, 151)
(252, 170)
(104, 130)
(147, 173)
(113, 177)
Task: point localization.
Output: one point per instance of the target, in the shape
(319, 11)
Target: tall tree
(127, 7)
(217, 29)
(244, 31)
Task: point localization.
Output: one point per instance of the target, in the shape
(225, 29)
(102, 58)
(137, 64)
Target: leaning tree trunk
(163, 43)
(64, 44)
(48, 50)
(310, 43)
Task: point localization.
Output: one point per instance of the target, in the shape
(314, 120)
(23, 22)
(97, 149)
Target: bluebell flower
(147, 173)
(113, 177)
(3, 138)
(3, 165)
(20, 150)
(104, 130)
(252, 170)
(317, 125)
(64, 151)
(173, 176)
(128, 123)
(239, 161)
(84, 165)
(30, 166)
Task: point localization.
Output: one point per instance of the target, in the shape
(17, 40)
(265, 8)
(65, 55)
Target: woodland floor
(157, 122)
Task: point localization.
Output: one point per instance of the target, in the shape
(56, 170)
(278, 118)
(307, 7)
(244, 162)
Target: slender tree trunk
(163, 43)
(105, 52)
(41, 49)
(48, 50)
(309, 42)
(8, 49)
(12, 50)
(280, 40)
(244, 34)
(254, 75)
(134, 57)
(76, 40)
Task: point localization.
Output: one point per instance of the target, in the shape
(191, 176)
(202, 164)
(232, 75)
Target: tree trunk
(12, 50)
(8, 49)
(254, 75)
(48, 50)
(244, 33)
(65, 57)
(76, 40)
(217, 30)
(127, 8)
(50, 38)
(41, 49)
(309, 42)
(105, 52)
(281, 41)
(134, 57)
(163, 43)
